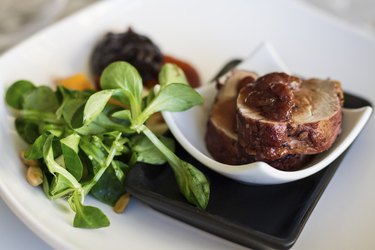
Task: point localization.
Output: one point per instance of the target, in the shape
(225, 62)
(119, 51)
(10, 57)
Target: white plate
(206, 33)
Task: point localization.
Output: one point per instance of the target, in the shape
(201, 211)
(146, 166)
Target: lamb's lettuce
(87, 145)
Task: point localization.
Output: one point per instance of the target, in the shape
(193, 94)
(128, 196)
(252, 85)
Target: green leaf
(15, 93)
(92, 128)
(64, 95)
(39, 117)
(88, 216)
(121, 96)
(103, 124)
(171, 73)
(55, 129)
(119, 173)
(151, 95)
(35, 151)
(42, 99)
(91, 150)
(72, 112)
(95, 105)
(173, 97)
(60, 187)
(116, 147)
(122, 75)
(191, 181)
(53, 166)
(146, 150)
(46, 185)
(176, 97)
(72, 162)
(72, 141)
(123, 114)
(69, 147)
(193, 185)
(109, 188)
(29, 131)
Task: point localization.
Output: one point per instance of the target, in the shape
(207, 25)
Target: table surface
(349, 226)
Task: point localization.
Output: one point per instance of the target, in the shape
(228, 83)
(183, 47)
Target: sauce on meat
(273, 95)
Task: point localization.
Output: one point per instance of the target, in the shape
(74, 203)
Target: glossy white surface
(311, 44)
(189, 128)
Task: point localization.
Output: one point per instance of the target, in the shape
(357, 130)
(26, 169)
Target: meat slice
(221, 138)
(313, 123)
(277, 118)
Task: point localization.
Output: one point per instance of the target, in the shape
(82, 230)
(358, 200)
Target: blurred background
(359, 12)
(20, 19)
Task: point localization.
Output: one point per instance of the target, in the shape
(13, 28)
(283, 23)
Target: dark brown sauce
(273, 96)
(243, 82)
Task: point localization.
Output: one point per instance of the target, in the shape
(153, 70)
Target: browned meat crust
(314, 126)
(239, 134)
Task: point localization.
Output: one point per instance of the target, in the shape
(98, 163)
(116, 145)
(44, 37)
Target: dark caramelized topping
(131, 47)
(273, 95)
(139, 51)
(245, 81)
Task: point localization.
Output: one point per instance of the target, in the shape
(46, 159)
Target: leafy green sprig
(86, 145)
(175, 94)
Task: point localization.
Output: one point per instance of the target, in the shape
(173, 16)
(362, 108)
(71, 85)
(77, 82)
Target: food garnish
(85, 145)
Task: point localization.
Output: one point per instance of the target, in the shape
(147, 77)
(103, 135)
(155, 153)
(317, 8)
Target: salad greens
(86, 145)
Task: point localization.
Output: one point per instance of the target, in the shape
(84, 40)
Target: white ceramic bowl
(189, 128)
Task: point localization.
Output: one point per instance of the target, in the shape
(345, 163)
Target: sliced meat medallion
(307, 121)
(221, 138)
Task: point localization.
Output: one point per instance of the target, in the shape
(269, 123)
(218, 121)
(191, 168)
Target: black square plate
(257, 216)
